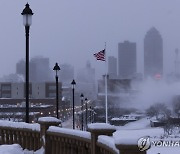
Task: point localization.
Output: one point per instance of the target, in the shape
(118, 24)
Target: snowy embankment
(131, 132)
(139, 124)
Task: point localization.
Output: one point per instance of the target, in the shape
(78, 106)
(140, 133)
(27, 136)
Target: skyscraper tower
(112, 66)
(126, 59)
(153, 54)
(177, 62)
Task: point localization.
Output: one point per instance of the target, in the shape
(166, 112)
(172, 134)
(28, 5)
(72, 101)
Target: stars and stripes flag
(100, 55)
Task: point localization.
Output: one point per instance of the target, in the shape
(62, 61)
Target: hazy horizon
(71, 31)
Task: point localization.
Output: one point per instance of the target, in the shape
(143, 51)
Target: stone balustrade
(27, 138)
(99, 139)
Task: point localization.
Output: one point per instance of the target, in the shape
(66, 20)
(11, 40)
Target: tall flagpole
(106, 84)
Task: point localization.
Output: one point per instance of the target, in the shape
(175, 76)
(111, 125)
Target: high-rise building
(66, 74)
(20, 67)
(126, 59)
(112, 66)
(153, 54)
(39, 70)
(86, 81)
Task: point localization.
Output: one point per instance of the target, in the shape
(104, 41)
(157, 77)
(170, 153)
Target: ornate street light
(56, 69)
(27, 21)
(73, 83)
(82, 97)
(86, 100)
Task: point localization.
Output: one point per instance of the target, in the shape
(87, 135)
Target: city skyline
(83, 29)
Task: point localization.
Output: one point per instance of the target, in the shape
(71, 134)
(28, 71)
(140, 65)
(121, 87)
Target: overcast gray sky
(70, 31)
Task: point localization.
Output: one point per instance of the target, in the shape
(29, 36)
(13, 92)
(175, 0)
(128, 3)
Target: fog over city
(101, 74)
(72, 31)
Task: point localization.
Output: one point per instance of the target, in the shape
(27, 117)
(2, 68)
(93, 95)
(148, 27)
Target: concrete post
(97, 129)
(45, 123)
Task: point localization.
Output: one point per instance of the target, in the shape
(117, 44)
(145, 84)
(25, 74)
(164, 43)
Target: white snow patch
(108, 141)
(131, 137)
(11, 149)
(139, 124)
(48, 119)
(17, 149)
(100, 126)
(67, 131)
(164, 150)
(4, 123)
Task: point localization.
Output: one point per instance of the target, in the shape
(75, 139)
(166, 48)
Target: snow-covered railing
(27, 135)
(61, 140)
(100, 138)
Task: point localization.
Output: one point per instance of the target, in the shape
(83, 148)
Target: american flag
(100, 55)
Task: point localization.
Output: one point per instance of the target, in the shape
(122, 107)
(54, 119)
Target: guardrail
(55, 140)
(20, 133)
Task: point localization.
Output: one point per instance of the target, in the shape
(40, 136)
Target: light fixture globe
(73, 83)
(27, 15)
(82, 96)
(56, 67)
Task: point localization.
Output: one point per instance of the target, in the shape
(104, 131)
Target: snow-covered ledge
(101, 128)
(97, 129)
(48, 119)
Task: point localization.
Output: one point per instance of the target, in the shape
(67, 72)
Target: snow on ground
(11, 149)
(67, 124)
(131, 132)
(17, 149)
(164, 150)
(139, 124)
(132, 136)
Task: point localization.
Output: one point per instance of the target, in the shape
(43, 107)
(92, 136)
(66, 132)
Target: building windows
(52, 95)
(6, 90)
(6, 95)
(52, 87)
(6, 87)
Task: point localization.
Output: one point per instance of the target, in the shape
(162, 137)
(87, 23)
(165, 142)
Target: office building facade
(127, 59)
(153, 54)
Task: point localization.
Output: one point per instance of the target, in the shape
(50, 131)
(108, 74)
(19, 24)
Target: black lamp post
(90, 112)
(57, 68)
(73, 83)
(27, 20)
(82, 97)
(86, 111)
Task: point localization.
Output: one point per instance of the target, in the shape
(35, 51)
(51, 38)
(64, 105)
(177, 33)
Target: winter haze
(71, 31)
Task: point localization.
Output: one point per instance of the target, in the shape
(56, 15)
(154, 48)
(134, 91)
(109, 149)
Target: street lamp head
(73, 83)
(86, 99)
(56, 67)
(82, 96)
(27, 15)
